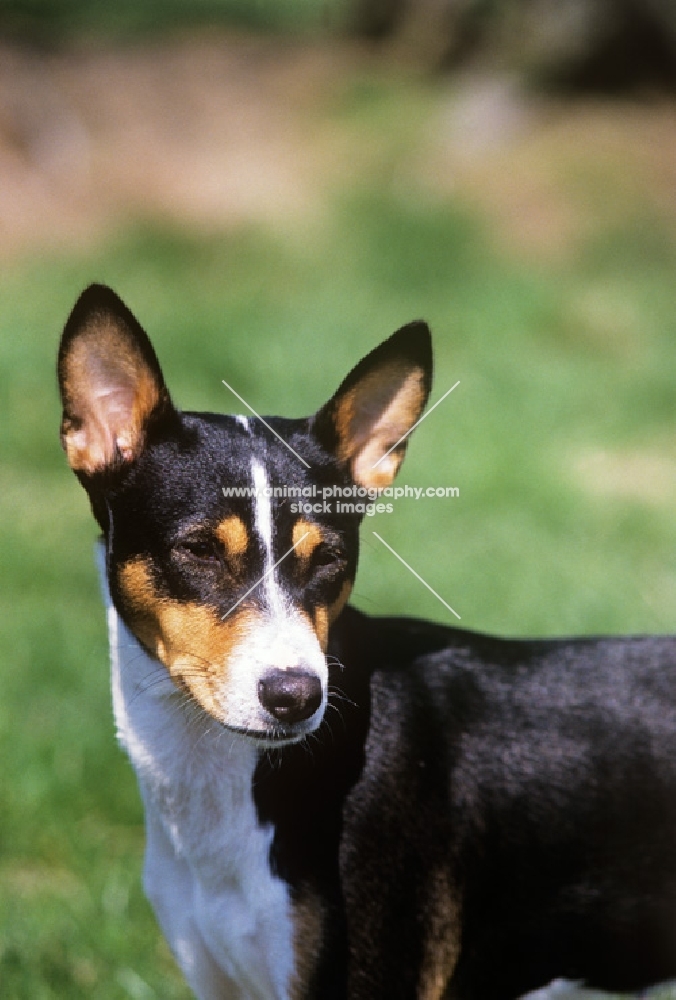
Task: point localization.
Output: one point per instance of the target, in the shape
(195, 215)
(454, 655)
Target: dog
(343, 806)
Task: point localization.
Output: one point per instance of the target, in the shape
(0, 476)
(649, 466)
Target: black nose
(292, 695)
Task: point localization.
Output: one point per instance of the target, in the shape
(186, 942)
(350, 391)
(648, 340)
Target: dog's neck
(203, 831)
(191, 769)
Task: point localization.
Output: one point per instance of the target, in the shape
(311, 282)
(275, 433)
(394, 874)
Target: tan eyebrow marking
(305, 546)
(233, 534)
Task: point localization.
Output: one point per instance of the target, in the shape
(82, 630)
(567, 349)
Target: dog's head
(230, 547)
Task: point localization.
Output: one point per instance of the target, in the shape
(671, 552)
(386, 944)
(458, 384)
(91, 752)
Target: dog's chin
(269, 739)
(269, 733)
(261, 733)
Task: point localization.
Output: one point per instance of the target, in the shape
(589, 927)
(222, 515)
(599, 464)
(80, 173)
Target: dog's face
(224, 557)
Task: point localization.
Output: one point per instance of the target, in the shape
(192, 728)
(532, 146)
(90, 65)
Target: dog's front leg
(169, 885)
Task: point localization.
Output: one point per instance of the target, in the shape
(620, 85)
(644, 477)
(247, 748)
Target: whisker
(334, 661)
(338, 694)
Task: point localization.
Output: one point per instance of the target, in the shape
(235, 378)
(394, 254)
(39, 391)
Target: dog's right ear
(111, 384)
(366, 423)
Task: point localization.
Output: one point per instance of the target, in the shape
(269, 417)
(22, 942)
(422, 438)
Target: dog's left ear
(111, 385)
(377, 405)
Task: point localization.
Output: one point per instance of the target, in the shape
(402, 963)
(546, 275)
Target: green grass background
(528, 548)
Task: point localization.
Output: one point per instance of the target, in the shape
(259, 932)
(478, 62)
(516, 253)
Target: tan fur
(192, 642)
(109, 393)
(373, 416)
(233, 534)
(340, 601)
(324, 616)
(305, 546)
(308, 918)
(320, 625)
(442, 940)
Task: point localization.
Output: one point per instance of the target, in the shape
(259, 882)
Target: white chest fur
(207, 872)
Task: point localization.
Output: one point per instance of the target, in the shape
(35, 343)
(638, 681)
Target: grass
(559, 437)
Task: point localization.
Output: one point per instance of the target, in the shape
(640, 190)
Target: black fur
(533, 781)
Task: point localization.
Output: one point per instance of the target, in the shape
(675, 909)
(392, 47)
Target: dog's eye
(199, 550)
(326, 556)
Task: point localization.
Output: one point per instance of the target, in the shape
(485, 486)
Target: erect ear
(377, 405)
(110, 382)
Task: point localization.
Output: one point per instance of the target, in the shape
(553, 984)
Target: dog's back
(517, 811)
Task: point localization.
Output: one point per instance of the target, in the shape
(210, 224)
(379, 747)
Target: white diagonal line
(419, 421)
(286, 443)
(417, 575)
(267, 573)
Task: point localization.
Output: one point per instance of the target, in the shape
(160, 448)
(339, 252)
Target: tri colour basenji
(340, 806)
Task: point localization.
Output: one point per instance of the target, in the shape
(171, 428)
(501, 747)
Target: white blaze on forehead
(265, 529)
(244, 421)
(262, 509)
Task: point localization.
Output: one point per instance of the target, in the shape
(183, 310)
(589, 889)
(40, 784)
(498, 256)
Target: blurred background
(274, 187)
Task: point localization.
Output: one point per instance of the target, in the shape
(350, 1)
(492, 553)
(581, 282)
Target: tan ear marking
(366, 423)
(387, 401)
(110, 383)
(109, 395)
(373, 417)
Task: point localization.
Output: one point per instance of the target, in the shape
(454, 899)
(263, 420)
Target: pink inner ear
(110, 394)
(114, 410)
(365, 471)
(106, 431)
(375, 430)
